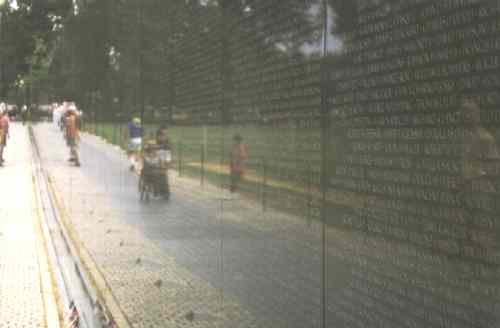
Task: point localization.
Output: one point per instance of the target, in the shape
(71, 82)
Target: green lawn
(282, 169)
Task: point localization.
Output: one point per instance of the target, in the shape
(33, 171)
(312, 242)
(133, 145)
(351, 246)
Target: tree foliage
(122, 56)
(28, 31)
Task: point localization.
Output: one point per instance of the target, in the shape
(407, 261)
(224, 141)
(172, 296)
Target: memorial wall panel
(275, 87)
(197, 64)
(273, 99)
(369, 190)
(413, 189)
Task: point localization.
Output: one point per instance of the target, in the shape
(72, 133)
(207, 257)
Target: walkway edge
(52, 308)
(98, 281)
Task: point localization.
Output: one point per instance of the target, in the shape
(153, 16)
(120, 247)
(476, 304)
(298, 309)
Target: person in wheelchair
(150, 168)
(152, 173)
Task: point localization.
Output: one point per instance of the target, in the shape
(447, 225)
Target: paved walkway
(22, 267)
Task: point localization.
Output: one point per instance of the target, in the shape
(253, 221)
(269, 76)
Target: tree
(29, 30)
(179, 55)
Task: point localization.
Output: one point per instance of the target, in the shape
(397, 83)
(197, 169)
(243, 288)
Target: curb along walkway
(26, 294)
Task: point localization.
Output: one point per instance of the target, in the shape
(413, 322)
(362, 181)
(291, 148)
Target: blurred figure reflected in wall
(478, 188)
(239, 156)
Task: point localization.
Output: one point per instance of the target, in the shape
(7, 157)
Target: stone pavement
(23, 263)
(195, 261)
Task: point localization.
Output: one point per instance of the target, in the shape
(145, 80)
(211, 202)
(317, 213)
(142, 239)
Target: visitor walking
(4, 132)
(24, 114)
(135, 134)
(72, 136)
(238, 158)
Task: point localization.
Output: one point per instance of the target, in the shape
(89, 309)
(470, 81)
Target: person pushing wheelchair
(157, 156)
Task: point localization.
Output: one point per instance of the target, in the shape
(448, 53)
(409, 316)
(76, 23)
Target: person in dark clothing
(165, 153)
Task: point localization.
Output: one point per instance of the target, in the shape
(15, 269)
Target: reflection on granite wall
(377, 121)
